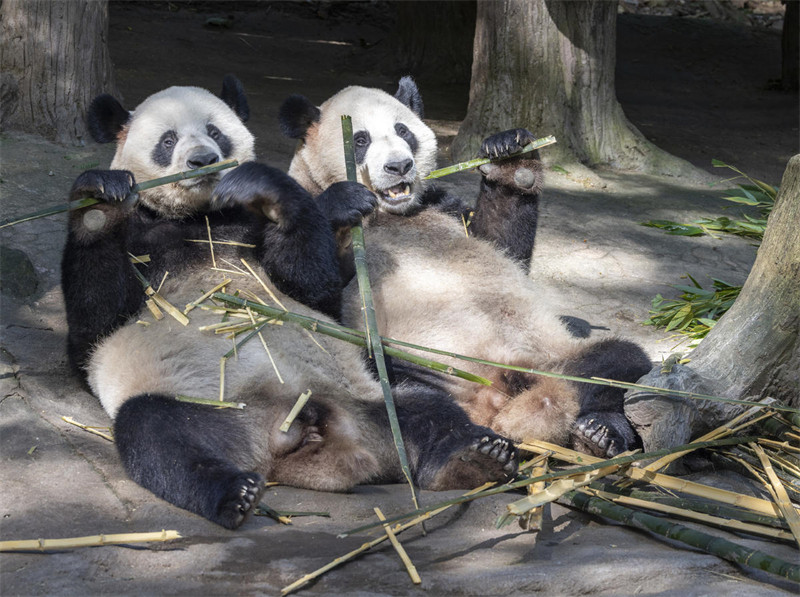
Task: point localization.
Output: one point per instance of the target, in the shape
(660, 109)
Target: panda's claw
(108, 186)
(506, 143)
(237, 504)
(604, 434)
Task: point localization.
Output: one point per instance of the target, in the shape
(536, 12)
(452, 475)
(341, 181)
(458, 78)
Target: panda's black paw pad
(345, 203)
(244, 493)
(505, 143)
(603, 434)
(499, 452)
(109, 186)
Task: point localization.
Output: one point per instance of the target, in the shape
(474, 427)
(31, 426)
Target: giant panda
(435, 286)
(213, 461)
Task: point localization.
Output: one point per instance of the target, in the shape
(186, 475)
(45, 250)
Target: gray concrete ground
(59, 481)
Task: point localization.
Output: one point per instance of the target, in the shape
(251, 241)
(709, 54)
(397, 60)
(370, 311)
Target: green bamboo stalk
(371, 324)
(618, 461)
(471, 164)
(343, 333)
(714, 545)
(142, 186)
(702, 507)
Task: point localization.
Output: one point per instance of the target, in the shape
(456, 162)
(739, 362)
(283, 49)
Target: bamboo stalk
(723, 523)
(210, 402)
(412, 570)
(160, 300)
(264, 344)
(374, 343)
(472, 164)
(93, 430)
(90, 541)
(666, 481)
(597, 464)
(298, 406)
(206, 295)
(714, 545)
(782, 499)
(232, 243)
(142, 186)
(370, 544)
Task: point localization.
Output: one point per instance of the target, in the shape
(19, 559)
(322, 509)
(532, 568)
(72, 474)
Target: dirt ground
(698, 87)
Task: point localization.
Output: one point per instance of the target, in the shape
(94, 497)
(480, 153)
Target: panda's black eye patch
(361, 140)
(406, 135)
(221, 139)
(162, 152)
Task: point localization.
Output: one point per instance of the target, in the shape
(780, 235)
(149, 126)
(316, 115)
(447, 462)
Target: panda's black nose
(398, 168)
(198, 160)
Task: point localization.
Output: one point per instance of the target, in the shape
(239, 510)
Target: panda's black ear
(408, 93)
(296, 116)
(105, 118)
(233, 95)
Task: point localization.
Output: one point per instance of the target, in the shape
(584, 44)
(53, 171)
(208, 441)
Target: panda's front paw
(109, 186)
(604, 434)
(506, 143)
(345, 203)
(263, 190)
(239, 501)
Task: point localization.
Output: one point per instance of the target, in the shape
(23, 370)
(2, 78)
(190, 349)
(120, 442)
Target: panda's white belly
(169, 358)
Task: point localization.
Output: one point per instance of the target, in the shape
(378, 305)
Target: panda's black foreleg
(447, 450)
(100, 290)
(507, 208)
(191, 455)
(601, 427)
(296, 245)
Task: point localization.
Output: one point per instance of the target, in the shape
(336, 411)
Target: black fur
(408, 93)
(221, 139)
(296, 115)
(601, 422)
(105, 118)
(162, 152)
(101, 291)
(233, 94)
(404, 133)
(200, 461)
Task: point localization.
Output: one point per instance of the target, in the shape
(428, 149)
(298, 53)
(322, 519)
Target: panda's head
(394, 149)
(178, 129)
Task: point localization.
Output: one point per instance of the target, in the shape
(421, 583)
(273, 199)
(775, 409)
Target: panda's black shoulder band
(296, 116)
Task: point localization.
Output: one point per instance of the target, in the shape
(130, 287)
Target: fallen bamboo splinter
(142, 186)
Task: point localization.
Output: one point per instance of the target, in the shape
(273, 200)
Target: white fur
(376, 112)
(187, 111)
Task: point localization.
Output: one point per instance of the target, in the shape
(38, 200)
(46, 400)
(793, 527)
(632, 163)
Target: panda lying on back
(434, 286)
(209, 461)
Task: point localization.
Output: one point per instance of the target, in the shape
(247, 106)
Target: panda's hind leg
(447, 450)
(601, 427)
(191, 455)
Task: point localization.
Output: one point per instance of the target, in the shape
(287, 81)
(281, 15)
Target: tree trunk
(548, 65)
(54, 58)
(435, 39)
(754, 349)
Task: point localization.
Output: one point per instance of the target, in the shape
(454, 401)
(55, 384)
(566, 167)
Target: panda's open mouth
(399, 193)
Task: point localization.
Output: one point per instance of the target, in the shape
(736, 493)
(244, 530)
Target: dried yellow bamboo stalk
(359, 550)
(556, 489)
(166, 306)
(90, 541)
(722, 431)
(721, 495)
(412, 570)
(298, 406)
(205, 296)
(266, 348)
(210, 243)
(790, 515)
(93, 430)
(263, 285)
(154, 310)
(232, 243)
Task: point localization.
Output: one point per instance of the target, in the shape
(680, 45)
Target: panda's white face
(178, 129)
(394, 148)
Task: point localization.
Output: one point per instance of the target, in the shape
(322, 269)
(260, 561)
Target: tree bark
(549, 65)
(435, 38)
(54, 58)
(754, 349)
